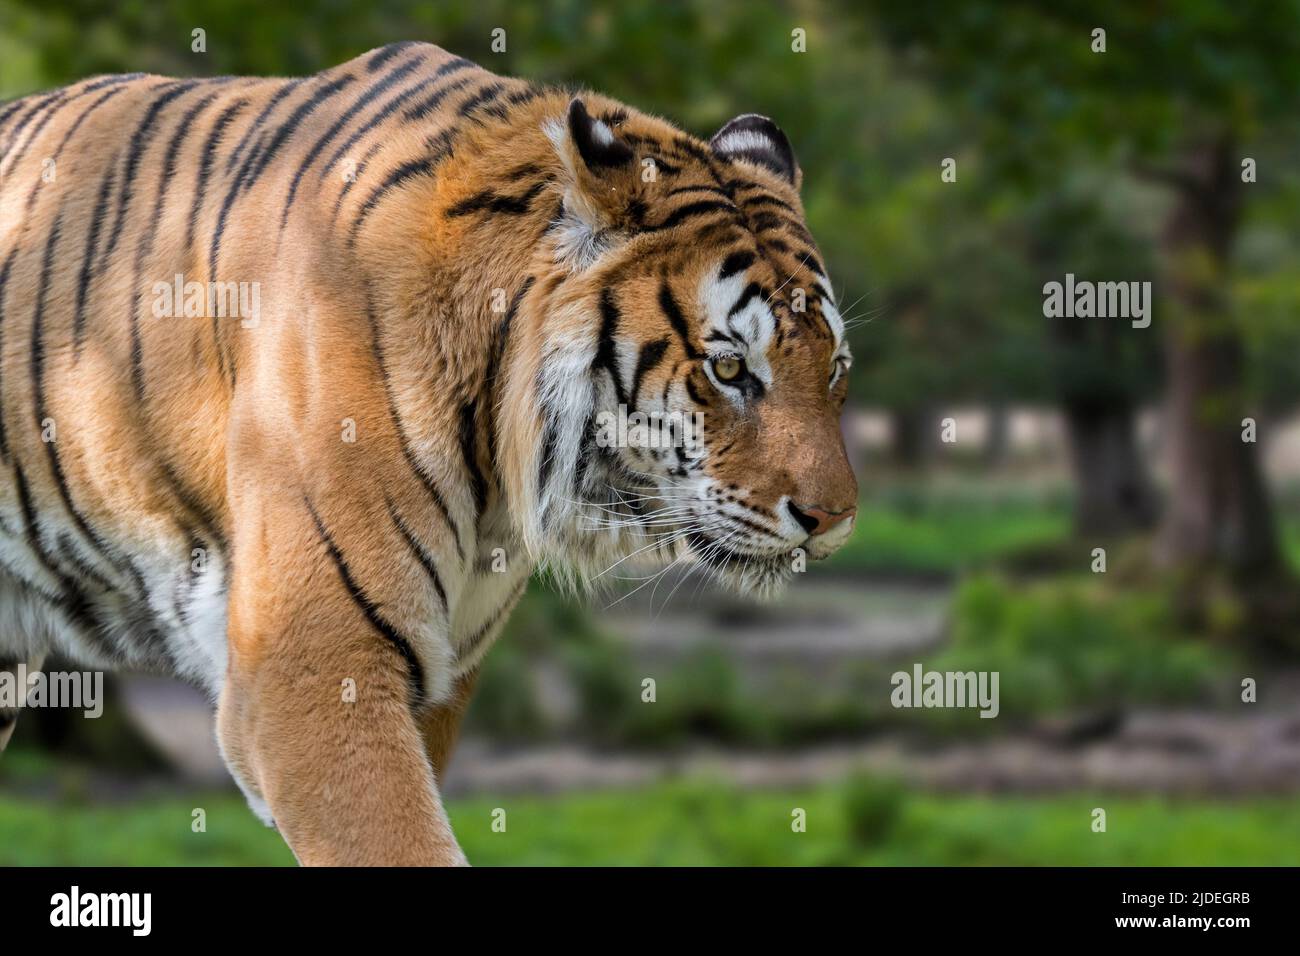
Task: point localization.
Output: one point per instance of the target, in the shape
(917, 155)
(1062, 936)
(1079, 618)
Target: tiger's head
(685, 370)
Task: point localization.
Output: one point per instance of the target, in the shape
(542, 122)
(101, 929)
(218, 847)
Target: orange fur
(359, 483)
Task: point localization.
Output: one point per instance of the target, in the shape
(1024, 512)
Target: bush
(873, 807)
(1062, 645)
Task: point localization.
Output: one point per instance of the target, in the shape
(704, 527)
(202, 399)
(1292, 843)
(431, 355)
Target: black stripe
(652, 353)
(290, 125)
(484, 96)
(606, 349)
(218, 232)
(97, 219)
(587, 450)
(390, 78)
(117, 79)
(676, 319)
(750, 293)
(440, 149)
(26, 118)
(694, 150)
(430, 103)
(173, 149)
(690, 211)
(54, 108)
(766, 200)
(522, 171)
(526, 95)
(411, 169)
(749, 525)
(488, 201)
(670, 381)
(767, 222)
(117, 84)
(206, 158)
(10, 110)
(422, 556)
(694, 394)
(737, 262)
(384, 112)
(813, 263)
(70, 554)
(425, 479)
(4, 282)
(469, 450)
(253, 127)
(500, 342)
(146, 238)
(139, 143)
(40, 407)
(354, 179)
(415, 673)
(81, 118)
(386, 53)
(483, 632)
(678, 190)
(69, 600)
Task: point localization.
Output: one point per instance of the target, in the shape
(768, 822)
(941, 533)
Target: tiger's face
(692, 363)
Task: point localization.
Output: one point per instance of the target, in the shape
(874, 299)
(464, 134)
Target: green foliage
(873, 808)
(1077, 643)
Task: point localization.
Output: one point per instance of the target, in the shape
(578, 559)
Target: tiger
(302, 380)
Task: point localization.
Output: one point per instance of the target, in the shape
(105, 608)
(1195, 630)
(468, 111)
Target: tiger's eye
(728, 368)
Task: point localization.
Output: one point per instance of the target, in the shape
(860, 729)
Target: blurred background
(1120, 690)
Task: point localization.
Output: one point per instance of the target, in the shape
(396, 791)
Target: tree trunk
(998, 446)
(915, 435)
(1218, 514)
(1112, 493)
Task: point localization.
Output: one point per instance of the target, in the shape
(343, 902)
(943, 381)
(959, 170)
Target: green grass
(923, 532)
(699, 823)
(1291, 540)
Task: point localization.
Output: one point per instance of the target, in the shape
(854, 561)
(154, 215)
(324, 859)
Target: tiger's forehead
(747, 301)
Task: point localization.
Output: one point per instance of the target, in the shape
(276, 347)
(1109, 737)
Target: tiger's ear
(595, 142)
(756, 139)
(601, 178)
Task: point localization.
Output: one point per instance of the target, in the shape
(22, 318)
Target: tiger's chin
(764, 580)
(751, 575)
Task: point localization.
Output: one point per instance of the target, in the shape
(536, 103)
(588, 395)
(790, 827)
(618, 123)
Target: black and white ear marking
(759, 140)
(596, 142)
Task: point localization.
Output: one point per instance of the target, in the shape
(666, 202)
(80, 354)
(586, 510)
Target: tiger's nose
(815, 520)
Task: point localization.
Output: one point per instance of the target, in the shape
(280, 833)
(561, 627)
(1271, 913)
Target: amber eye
(728, 368)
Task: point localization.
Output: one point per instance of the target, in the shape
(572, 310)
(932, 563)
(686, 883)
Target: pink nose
(818, 521)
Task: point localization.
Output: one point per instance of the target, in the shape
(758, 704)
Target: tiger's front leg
(316, 716)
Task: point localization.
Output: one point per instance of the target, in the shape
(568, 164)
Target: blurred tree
(1101, 373)
(1174, 97)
